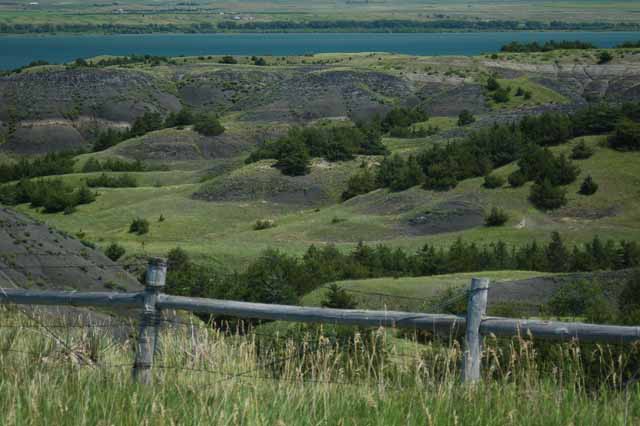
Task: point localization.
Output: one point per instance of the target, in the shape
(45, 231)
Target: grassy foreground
(209, 378)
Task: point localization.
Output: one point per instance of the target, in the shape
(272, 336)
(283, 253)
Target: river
(16, 51)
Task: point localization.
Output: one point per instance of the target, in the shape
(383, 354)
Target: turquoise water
(16, 51)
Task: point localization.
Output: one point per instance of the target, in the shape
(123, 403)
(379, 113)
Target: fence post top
(156, 273)
(479, 283)
(158, 262)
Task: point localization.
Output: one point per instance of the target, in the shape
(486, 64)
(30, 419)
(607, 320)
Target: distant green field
(413, 288)
(223, 230)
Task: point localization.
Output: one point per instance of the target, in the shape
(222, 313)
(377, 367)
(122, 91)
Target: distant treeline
(49, 165)
(380, 25)
(629, 45)
(279, 278)
(546, 47)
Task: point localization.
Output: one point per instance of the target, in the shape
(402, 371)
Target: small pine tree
(465, 118)
(208, 125)
(604, 57)
(493, 181)
(139, 226)
(581, 151)
(492, 84)
(338, 298)
(520, 92)
(497, 217)
(293, 158)
(588, 187)
(85, 196)
(517, 179)
(114, 251)
(545, 196)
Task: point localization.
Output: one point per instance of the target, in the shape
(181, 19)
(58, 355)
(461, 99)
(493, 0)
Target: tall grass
(204, 376)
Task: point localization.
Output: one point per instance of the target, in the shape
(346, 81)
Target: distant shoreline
(305, 27)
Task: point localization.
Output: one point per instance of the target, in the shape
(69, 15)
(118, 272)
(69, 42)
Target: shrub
(465, 118)
(626, 136)
(581, 151)
(228, 60)
(338, 298)
(84, 196)
(360, 183)
(629, 301)
(497, 217)
(588, 187)
(260, 62)
(208, 125)
(106, 181)
(517, 179)
(493, 181)
(501, 95)
(528, 95)
(114, 251)
(492, 84)
(139, 226)
(264, 224)
(604, 57)
(544, 195)
(520, 92)
(581, 299)
(293, 158)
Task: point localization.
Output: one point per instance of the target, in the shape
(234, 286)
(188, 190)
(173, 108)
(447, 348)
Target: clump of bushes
(465, 118)
(52, 195)
(208, 125)
(106, 181)
(626, 136)
(262, 224)
(139, 226)
(360, 183)
(497, 217)
(114, 251)
(493, 181)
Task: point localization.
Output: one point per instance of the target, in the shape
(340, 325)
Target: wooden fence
(476, 324)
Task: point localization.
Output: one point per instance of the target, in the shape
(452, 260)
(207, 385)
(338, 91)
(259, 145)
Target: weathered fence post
(148, 337)
(476, 309)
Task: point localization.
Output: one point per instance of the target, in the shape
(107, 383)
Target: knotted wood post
(476, 309)
(149, 322)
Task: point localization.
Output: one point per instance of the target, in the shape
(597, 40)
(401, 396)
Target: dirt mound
(33, 255)
(185, 144)
(262, 182)
(449, 100)
(110, 94)
(325, 94)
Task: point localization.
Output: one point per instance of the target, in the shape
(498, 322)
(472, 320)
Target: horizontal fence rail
(152, 302)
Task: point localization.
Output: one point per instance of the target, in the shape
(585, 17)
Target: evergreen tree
(465, 118)
(545, 196)
(337, 298)
(557, 254)
(497, 217)
(581, 151)
(588, 187)
(293, 158)
(114, 251)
